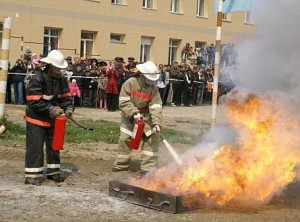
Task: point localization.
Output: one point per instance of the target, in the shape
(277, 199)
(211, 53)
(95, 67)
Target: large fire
(262, 161)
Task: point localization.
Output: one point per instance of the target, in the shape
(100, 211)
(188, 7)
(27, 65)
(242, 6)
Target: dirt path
(84, 195)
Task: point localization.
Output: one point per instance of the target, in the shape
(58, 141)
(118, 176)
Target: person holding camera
(19, 71)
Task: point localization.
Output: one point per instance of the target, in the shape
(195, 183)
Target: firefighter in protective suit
(139, 98)
(48, 96)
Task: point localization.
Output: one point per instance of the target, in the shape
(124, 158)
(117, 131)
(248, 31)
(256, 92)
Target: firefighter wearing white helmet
(47, 96)
(139, 98)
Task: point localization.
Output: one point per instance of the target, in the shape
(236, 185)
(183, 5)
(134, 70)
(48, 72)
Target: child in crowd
(102, 83)
(74, 89)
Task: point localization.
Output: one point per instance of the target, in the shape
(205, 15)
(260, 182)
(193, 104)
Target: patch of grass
(175, 136)
(14, 134)
(104, 131)
(109, 132)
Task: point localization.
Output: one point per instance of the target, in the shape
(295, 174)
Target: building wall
(30, 17)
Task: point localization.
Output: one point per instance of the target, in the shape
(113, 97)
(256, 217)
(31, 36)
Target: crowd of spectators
(96, 83)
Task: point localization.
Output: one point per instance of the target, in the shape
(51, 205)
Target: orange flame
(260, 164)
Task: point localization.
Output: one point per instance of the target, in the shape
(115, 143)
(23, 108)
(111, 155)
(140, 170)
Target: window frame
(50, 36)
(84, 41)
(249, 20)
(198, 8)
(148, 4)
(117, 2)
(175, 6)
(171, 53)
(114, 40)
(146, 42)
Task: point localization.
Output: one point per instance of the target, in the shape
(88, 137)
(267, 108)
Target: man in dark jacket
(19, 71)
(48, 96)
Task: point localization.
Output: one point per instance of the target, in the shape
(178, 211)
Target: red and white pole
(217, 63)
(6, 34)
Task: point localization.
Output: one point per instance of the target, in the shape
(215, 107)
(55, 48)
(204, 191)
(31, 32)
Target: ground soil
(84, 195)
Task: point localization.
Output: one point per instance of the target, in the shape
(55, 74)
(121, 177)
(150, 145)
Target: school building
(104, 29)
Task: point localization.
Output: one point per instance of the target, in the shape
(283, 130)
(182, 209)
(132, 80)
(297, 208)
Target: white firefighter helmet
(149, 70)
(55, 58)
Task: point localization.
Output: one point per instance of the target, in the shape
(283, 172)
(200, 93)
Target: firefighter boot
(58, 178)
(33, 181)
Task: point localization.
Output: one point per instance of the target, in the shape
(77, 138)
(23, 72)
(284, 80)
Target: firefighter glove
(156, 128)
(69, 113)
(56, 111)
(137, 116)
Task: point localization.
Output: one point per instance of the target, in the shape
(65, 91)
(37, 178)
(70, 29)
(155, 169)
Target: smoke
(257, 154)
(211, 142)
(271, 61)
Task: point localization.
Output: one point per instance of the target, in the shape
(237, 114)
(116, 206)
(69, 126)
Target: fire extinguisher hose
(81, 126)
(171, 150)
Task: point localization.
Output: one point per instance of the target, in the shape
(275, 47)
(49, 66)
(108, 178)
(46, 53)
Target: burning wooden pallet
(157, 200)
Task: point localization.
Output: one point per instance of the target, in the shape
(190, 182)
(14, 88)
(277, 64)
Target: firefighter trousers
(149, 147)
(36, 136)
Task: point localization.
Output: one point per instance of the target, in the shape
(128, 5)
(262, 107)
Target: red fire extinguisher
(59, 133)
(137, 133)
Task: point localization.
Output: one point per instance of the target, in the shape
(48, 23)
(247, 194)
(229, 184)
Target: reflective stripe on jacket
(136, 96)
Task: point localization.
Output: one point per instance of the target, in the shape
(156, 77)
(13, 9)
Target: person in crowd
(102, 83)
(9, 83)
(161, 83)
(209, 79)
(76, 62)
(119, 67)
(48, 96)
(34, 61)
(94, 62)
(165, 71)
(211, 54)
(70, 64)
(139, 98)
(93, 87)
(111, 90)
(130, 69)
(69, 72)
(185, 52)
(79, 75)
(187, 86)
(195, 85)
(83, 63)
(19, 71)
(75, 92)
(176, 77)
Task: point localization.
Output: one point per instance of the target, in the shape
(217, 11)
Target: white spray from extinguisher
(171, 150)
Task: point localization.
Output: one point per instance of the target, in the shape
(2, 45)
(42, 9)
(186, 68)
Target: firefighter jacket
(136, 96)
(43, 93)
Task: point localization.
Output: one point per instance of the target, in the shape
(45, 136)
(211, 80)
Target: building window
(226, 16)
(117, 2)
(51, 37)
(249, 18)
(87, 44)
(200, 44)
(145, 49)
(117, 38)
(148, 4)
(173, 50)
(175, 6)
(200, 8)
